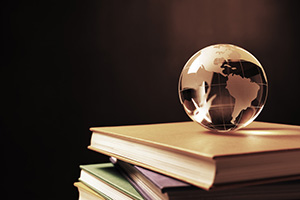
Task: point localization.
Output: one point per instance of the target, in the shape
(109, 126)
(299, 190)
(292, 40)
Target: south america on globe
(223, 87)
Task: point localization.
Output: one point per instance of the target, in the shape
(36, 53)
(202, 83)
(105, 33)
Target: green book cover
(106, 172)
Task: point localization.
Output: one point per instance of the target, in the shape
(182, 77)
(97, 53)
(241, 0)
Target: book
(107, 182)
(188, 152)
(86, 193)
(153, 185)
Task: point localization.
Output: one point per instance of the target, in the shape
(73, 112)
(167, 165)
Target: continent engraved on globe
(243, 98)
(223, 87)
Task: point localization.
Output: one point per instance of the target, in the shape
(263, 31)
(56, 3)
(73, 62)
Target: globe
(223, 87)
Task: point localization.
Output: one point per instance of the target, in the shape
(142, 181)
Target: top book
(261, 152)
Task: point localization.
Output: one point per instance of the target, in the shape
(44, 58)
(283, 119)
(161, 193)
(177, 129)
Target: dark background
(70, 65)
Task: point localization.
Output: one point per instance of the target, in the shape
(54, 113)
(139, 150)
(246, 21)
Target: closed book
(153, 185)
(188, 152)
(105, 180)
(86, 193)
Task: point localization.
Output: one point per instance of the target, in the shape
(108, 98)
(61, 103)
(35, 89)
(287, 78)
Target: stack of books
(182, 160)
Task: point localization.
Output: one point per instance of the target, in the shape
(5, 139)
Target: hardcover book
(188, 152)
(105, 180)
(86, 193)
(153, 185)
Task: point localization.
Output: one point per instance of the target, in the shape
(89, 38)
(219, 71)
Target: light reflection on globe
(223, 87)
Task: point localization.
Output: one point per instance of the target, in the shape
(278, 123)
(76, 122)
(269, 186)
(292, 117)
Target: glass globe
(223, 87)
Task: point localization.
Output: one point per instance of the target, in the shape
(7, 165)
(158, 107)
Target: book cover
(106, 180)
(188, 152)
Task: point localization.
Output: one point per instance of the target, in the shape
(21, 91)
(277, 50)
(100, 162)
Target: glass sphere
(223, 87)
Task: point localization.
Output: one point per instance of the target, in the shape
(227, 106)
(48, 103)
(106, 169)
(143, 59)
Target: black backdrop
(70, 65)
